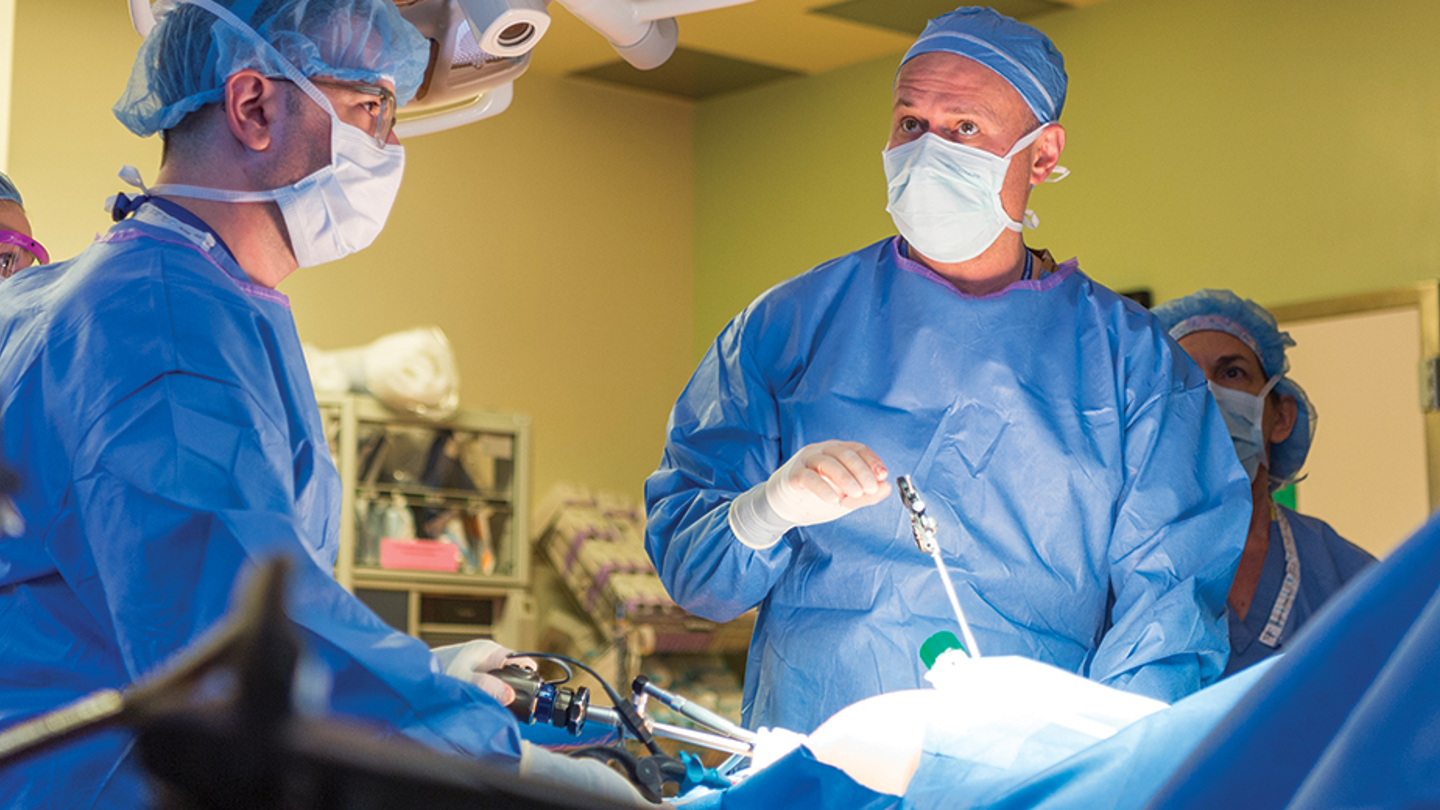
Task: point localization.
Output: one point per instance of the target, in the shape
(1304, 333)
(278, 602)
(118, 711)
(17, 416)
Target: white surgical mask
(336, 210)
(945, 197)
(1244, 417)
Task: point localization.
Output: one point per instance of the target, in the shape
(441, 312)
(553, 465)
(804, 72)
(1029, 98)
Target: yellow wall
(7, 61)
(580, 256)
(552, 243)
(72, 60)
(1285, 149)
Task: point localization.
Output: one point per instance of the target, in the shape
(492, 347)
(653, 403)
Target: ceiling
(761, 41)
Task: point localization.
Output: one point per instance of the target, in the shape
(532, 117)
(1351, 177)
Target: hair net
(8, 191)
(1022, 56)
(184, 62)
(1248, 322)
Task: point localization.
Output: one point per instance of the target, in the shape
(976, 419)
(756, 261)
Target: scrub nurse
(1292, 563)
(1070, 454)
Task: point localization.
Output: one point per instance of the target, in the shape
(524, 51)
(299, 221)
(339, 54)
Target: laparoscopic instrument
(923, 526)
(549, 703)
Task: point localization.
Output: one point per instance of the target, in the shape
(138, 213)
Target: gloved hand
(822, 482)
(472, 661)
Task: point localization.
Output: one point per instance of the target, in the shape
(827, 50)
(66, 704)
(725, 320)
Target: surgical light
(478, 48)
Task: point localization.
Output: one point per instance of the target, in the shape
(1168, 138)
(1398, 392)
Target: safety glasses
(18, 251)
(384, 116)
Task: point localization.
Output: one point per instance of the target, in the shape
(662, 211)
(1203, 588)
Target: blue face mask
(945, 197)
(1244, 416)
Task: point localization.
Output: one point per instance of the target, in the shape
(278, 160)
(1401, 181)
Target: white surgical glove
(472, 661)
(822, 482)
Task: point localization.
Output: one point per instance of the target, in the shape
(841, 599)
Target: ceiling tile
(792, 36)
(781, 33)
(910, 16)
(690, 74)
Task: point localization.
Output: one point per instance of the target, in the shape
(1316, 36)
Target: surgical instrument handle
(923, 526)
(699, 714)
(606, 715)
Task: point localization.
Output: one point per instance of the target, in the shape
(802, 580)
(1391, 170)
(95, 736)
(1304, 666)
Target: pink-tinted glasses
(13, 261)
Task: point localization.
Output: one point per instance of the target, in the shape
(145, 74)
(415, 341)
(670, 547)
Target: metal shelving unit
(485, 478)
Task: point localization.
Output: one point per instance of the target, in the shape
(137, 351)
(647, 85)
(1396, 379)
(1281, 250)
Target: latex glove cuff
(754, 522)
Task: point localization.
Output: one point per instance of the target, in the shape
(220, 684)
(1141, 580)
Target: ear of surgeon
(962, 101)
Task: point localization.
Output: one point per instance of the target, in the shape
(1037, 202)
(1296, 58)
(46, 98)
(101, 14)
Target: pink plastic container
(418, 555)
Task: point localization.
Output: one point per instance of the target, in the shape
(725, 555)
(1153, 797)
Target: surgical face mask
(945, 197)
(340, 208)
(1244, 416)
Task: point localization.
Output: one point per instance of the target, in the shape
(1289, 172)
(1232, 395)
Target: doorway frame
(1423, 297)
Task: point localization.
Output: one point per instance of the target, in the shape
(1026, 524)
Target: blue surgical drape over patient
(158, 408)
(1090, 504)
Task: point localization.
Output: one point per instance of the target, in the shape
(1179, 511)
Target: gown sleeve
(723, 438)
(185, 483)
(1180, 525)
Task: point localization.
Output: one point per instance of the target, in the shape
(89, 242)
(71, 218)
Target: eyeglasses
(18, 251)
(384, 117)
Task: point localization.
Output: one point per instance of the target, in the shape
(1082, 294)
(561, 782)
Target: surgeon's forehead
(963, 84)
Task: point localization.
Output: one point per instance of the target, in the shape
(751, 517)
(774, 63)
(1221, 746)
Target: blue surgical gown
(1327, 562)
(159, 411)
(1090, 504)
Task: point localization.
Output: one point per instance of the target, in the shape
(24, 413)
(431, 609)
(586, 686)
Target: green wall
(1284, 149)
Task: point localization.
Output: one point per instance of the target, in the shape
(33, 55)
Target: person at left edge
(157, 407)
(1090, 506)
(18, 247)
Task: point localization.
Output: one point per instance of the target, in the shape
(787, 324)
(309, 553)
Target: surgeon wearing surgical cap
(1089, 503)
(155, 402)
(1292, 563)
(18, 249)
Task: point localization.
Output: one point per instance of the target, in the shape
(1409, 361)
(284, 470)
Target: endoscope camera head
(540, 701)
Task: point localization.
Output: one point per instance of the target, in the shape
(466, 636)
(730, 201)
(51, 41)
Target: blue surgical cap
(1022, 56)
(8, 191)
(185, 60)
(1248, 322)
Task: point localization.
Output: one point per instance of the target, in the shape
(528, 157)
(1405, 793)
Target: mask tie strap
(1270, 385)
(121, 205)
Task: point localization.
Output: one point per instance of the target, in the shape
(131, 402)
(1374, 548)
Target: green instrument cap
(937, 645)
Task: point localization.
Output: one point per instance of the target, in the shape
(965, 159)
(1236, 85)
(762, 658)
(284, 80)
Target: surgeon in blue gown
(1292, 563)
(157, 408)
(1090, 506)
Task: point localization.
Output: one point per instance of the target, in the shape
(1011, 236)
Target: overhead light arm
(643, 32)
(660, 9)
